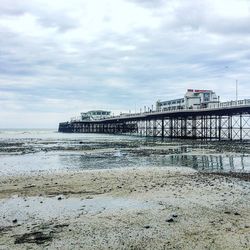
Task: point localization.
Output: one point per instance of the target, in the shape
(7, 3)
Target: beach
(140, 209)
(99, 203)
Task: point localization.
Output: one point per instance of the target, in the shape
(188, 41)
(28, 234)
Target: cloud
(225, 19)
(70, 56)
(150, 3)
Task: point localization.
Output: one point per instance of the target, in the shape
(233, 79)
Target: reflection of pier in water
(212, 162)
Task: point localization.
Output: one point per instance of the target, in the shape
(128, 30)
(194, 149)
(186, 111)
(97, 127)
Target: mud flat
(140, 208)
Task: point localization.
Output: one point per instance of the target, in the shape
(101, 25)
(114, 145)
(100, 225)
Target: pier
(228, 121)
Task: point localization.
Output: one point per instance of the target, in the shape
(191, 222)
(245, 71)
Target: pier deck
(222, 123)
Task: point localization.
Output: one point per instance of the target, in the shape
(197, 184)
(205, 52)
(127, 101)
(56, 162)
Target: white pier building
(193, 99)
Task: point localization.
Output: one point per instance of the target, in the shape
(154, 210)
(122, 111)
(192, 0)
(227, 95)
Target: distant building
(193, 99)
(95, 115)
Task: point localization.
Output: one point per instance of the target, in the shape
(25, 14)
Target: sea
(27, 151)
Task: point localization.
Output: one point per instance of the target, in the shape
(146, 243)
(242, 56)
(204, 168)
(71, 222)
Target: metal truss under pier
(210, 124)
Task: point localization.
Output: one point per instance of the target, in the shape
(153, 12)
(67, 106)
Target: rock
(59, 198)
(34, 237)
(227, 212)
(174, 215)
(147, 226)
(14, 221)
(236, 213)
(170, 220)
(61, 225)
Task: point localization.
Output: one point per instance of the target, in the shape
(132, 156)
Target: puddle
(26, 210)
(212, 162)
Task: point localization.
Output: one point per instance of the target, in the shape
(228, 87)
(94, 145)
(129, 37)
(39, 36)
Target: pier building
(193, 99)
(95, 115)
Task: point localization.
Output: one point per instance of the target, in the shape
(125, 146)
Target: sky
(59, 58)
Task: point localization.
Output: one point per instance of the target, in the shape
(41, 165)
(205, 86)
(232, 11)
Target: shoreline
(142, 208)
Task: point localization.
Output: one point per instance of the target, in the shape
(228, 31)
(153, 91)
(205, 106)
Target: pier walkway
(228, 121)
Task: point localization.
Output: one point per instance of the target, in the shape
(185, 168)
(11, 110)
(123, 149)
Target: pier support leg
(194, 127)
(241, 137)
(220, 128)
(162, 128)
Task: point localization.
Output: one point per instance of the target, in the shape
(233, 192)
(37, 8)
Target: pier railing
(234, 103)
(229, 104)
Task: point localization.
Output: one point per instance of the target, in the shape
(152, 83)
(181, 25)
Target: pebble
(170, 220)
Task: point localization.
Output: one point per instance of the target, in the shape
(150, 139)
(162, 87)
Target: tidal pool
(34, 151)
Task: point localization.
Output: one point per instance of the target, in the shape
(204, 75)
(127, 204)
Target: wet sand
(140, 208)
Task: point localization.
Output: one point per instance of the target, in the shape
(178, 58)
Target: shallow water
(26, 151)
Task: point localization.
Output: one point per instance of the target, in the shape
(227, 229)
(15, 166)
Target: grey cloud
(46, 17)
(198, 15)
(230, 26)
(149, 3)
(13, 7)
(61, 23)
(57, 19)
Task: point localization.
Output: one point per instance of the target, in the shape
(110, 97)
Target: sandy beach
(139, 208)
